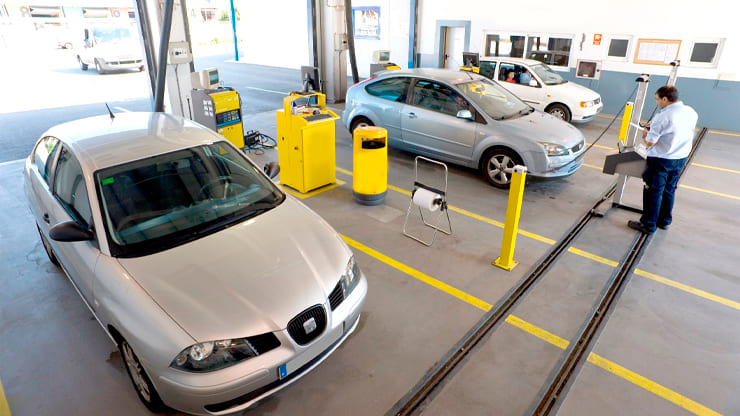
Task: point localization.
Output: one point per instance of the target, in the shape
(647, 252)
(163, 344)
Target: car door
(531, 93)
(392, 93)
(430, 125)
(69, 201)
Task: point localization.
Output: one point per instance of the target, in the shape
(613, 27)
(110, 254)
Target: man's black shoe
(637, 225)
(664, 226)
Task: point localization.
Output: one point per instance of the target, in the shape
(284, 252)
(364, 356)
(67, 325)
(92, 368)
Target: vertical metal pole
(233, 31)
(511, 226)
(144, 28)
(351, 40)
(313, 36)
(632, 132)
(414, 12)
(674, 73)
(164, 42)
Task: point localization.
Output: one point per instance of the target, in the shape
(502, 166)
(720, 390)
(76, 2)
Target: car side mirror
(272, 169)
(70, 231)
(466, 114)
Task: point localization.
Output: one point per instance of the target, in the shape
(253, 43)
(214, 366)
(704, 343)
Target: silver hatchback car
(218, 288)
(467, 119)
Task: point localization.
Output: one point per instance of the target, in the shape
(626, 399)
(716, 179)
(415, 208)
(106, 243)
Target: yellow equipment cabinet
(470, 69)
(370, 165)
(306, 153)
(220, 110)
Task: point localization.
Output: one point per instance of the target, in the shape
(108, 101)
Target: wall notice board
(656, 51)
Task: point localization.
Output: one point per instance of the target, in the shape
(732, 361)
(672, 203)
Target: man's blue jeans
(661, 178)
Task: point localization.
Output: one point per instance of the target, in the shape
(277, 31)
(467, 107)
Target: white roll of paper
(427, 199)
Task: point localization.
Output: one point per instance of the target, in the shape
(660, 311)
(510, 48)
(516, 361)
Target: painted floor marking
(715, 168)
(264, 90)
(4, 408)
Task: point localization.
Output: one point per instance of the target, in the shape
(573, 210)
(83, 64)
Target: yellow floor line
(583, 253)
(593, 166)
(710, 192)
(715, 168)
(724, 132)
(4, 408)
(652, 386)
(419, 275)
(543, 334)
(603, 147)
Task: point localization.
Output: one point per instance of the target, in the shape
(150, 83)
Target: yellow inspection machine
(381, 62)
(305, 129)
(220, 110)
(471, 62)
(370, 165)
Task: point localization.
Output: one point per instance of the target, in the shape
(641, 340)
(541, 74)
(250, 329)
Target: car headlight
(215, 355)
(586, 104)
(350, 277)
(554, 149)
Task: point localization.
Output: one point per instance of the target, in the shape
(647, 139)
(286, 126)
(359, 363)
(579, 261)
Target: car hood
(118, 50)
(542, 127)
(248, 279)
(572, 91)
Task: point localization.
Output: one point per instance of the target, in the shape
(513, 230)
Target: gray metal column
(632, 131)
(334, 57)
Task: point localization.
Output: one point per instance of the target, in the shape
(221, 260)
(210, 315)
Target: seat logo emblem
(309, 326)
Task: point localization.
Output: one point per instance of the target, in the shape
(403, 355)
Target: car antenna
(110, 112)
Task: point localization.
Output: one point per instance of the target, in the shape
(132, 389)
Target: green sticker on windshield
(108, 181)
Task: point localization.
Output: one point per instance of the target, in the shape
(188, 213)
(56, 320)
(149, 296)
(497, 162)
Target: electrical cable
(257, 142)
(610, 124)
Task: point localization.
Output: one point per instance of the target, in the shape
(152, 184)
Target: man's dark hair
(669, 92)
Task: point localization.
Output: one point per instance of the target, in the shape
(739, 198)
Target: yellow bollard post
(511, 226)
(626, 117)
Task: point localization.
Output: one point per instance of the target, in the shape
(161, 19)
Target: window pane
(69, 187)
(618, 48)
(44, 154)
(703, 52)
(394, 89)
(487, 69)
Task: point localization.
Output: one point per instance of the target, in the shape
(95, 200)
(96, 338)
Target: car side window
(487, 69)
(70, 189)
(394, 89)
(438, 97)
(43, 155)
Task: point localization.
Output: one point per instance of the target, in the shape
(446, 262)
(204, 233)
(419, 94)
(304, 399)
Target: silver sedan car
(218, 288)
(467, 119)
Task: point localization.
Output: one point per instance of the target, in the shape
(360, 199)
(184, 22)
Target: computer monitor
(471, 59)
(310, 78)
(381, 57)
(588, 69)
(206, 79)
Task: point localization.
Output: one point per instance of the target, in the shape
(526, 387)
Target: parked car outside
(543, 88)
(467, 119)
(218, 288)
(110, 48)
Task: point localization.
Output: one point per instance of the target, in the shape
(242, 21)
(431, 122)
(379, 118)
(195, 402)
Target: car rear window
(394, 89)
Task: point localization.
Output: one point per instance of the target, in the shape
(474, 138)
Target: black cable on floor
(257, 142)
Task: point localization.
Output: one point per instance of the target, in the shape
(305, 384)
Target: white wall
(661, 19)
(394, 34)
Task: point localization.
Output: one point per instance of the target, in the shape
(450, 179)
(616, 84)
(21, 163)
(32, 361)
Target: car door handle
(46, 218)
(412, 115)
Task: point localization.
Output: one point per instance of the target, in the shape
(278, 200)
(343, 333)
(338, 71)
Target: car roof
(510, 59)
(451, 76)
(100, 141)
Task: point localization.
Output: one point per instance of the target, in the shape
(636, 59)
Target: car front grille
(336, 297)
(263, 343)
(302, 331)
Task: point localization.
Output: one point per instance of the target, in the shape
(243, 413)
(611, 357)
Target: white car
(542, 88)
(218, 288)
(110, 48)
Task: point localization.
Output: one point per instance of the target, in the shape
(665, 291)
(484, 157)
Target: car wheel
(83, 65)
(47, 247)
(497, 165)
(560, 111)
(99, 67)
(359, 122)
(142, 383)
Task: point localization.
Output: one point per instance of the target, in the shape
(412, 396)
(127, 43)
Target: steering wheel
(229, 188)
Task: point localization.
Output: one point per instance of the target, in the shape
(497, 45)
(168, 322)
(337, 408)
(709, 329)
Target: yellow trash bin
(370, 165)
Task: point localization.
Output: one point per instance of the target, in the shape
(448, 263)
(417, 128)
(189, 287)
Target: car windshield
(153, 204)
(547, 75)
(493, 99)
(111, 34)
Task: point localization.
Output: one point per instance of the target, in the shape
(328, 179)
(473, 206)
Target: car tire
(99, 67)
(497, 164)
(359, 122)
(47, 247)
(559, 111)
(140, 379)
(83, 65)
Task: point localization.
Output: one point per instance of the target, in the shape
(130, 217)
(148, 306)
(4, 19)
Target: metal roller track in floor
(425, 390)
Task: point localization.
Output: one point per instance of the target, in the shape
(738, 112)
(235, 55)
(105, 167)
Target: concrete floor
(670, 343)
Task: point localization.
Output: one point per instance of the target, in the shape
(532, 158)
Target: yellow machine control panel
(220, 110)
(306, 153)
(470, 69)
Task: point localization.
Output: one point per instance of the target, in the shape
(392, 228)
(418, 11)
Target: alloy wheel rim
(499, 168)
(135, 371)
(558, 113)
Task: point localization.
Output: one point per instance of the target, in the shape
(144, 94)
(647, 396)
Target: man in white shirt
(669, 138)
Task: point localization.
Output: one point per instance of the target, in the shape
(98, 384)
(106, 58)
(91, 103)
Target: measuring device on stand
(630, 161)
